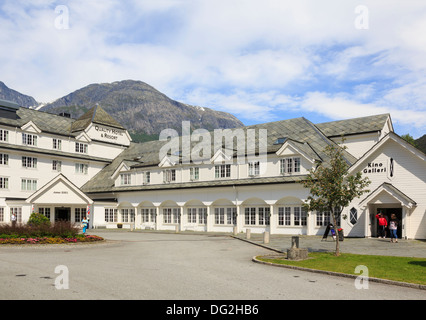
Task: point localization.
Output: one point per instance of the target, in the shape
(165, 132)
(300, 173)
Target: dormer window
(126, 179)
(169, 176)
(29, 139)
(81, 147)
(253, 168)
(290, 165)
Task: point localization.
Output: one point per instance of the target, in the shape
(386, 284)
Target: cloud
(260, 60)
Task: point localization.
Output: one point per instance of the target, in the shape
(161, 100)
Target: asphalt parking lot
(167, 266)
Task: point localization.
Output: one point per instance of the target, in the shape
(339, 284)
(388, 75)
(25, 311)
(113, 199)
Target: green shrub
(38, 219)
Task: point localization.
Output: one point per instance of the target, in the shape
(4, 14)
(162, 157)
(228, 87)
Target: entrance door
(62, 214)
(387, 213)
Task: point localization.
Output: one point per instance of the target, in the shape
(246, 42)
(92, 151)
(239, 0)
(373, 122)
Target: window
(353, 216)
(110, 215)
(4, 183)
(197, 213)
(79, 213)
(4, 159)
(56, 165)
(128, 215)
(126, 179)
(300, 216)
(192, 215)
(250, 216)
(147, 177)
(1, 214)
(28, 184)
(29, 162)
(289, 165)
(148, 215)
(17, 211)
(29, 139)
(4, 135)
(45, 212)
(292, 216)
(225, 216)
(169, 176)
(57, 144)
(81, 168)
(253, 168)
(264, 216)
(194, 173)
(223, 171)
(202, 215)
(323, 218)
(171, 215)
(81, 147)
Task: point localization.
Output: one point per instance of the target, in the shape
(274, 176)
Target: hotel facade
(220, 181)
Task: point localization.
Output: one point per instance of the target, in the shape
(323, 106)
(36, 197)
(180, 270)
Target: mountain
(14, 96)
(140, 108)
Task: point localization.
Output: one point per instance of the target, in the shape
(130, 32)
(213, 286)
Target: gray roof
(300, 132)
(354, 126)
(47, 122)
(95, 115)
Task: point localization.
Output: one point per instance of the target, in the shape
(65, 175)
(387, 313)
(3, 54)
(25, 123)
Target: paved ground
(167, 266)
(372, 246)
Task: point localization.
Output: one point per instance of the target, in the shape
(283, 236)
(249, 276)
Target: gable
(59, 191)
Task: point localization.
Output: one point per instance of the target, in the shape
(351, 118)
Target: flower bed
(50, 240)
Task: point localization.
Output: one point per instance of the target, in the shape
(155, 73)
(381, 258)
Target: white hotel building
(64, 167)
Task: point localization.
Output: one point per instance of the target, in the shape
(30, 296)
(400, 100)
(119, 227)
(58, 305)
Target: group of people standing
(384, 224)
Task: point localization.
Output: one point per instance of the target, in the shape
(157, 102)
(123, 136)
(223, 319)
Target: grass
(404, 269)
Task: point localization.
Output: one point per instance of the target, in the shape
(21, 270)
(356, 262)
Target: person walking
(393, 228)
(84, 223)
(382, 225)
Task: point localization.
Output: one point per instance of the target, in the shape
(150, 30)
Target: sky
(261, 60)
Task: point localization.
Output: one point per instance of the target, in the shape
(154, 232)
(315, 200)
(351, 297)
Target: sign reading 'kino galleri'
(109, 133)
(380, 167)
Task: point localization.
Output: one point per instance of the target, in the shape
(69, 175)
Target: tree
(332, 188)
(407, 137)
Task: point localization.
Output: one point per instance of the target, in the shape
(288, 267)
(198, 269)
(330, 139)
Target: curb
(344, 275)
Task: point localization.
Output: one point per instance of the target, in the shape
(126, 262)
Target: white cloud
(255, 59)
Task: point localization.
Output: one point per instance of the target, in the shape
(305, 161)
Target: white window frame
(290, 165)
(57, 144)
(222, 171)
(169, 175)
(111, 215)
(254, 168)
(194, 173)
(29, 162)
(4, 183)
(81, 147)
(81, 168)
(28, 184)
(29, 139)
(4, 135)
(126, 179)
(4, 159)
(57, 165)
